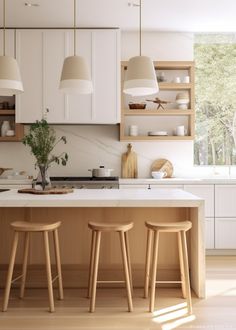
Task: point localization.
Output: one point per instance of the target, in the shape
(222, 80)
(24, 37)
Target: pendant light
(75, 77)
(141, 77)
(10, 79)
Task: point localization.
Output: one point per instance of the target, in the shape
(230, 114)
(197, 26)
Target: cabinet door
(54, 100)
(10, 41)
(225, 229)
(225, 200)
(209, 233)
(106, 71)
(79, 107)
(166, 186)
(29, 46)
(207, 193)
(101, 50)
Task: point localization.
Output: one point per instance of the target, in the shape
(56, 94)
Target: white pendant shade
(75, 77)
(10, 79)
(141, 77)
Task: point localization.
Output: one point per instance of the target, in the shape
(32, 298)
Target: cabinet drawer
(207, 193)
(134, 186)
(209, 233)
(225, 229)
(225, 200)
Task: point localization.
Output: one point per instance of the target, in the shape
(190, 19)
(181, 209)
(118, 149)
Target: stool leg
(58, 263)
(92, 253)
(10, 271)
(49, 273)
(183, 284)
(186, 271)
(154, 271)
(126, 271)
(95, 271)
(129, 262)
(24, 267)
(147, 264)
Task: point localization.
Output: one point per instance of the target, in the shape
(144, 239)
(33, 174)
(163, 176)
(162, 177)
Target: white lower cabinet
(207, 193)
(209, 233)
(225, 201)
(225, 229)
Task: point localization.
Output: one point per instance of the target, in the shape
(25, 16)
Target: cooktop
(83, 178)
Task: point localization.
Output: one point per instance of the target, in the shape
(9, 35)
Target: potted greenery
(42, 140)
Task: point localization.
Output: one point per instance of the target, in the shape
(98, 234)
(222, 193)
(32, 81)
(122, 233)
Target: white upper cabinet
(41, 54)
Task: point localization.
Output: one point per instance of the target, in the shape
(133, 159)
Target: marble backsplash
(90, 146)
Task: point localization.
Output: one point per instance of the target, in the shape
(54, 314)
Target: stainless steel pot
(101, 172)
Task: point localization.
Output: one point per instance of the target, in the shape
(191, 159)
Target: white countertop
(104, 198)
(209, 180)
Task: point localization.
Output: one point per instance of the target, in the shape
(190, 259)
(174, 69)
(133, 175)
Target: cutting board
(129, 163)
(163, 165)
(53, 191)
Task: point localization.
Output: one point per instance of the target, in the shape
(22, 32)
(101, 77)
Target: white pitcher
(5, 127)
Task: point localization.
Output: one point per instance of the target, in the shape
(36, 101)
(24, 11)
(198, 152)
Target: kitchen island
(77, 208)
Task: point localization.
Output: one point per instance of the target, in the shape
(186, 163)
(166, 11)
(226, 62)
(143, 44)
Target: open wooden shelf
(174, 86)
(7, 112)
(167, 112)
(187, 66)
(155, 138)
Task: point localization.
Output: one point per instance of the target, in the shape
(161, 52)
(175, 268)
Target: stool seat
(99, 226)
(36, 227)
(169, 226)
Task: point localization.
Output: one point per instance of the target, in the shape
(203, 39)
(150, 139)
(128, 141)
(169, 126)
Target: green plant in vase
(42, 140)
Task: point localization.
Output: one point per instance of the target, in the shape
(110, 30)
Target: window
(215, 60)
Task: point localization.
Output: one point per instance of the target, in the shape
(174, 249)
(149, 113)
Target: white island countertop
(103, 198)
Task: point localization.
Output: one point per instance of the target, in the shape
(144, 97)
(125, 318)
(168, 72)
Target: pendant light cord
(4, 27)
(74, 27)
(140, 27)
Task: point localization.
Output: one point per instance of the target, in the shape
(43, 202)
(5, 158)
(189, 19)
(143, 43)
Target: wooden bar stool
(27, 228)
(154, 228)
(97, 229)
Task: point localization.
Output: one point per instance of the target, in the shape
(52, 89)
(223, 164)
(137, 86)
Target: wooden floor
(217, 311)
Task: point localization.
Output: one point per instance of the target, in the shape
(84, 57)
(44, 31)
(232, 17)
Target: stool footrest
(110, 281)
(17, 278)
(159, 282)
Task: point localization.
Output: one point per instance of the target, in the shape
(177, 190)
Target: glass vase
(43, 178)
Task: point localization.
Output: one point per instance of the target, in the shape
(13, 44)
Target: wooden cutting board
(54, 191)
(129, 163)
(163, 165)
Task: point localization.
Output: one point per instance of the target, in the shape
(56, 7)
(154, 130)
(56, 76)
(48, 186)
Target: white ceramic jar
(5, 127)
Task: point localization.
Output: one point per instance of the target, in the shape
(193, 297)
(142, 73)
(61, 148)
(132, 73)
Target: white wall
(91, 146)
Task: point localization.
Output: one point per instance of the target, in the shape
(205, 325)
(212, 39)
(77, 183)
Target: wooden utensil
(54, 191)
(3, 169)
(129, 163)
(163, 165)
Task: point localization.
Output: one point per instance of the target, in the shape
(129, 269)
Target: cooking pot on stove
(101, 172)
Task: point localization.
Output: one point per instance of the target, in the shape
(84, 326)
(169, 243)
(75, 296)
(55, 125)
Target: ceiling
(158, 15)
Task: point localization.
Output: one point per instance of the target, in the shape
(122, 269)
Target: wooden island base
(75, 240)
